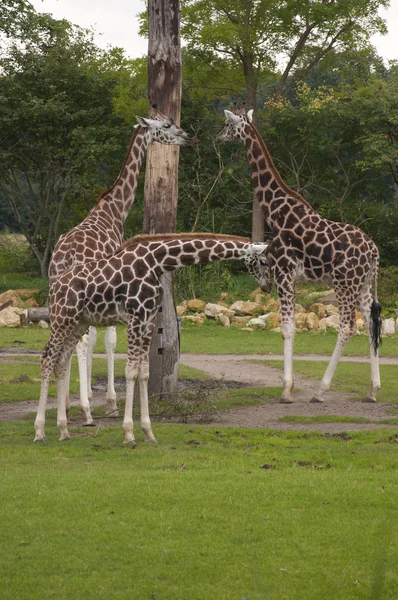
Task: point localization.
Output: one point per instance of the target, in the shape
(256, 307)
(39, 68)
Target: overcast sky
(115, 23)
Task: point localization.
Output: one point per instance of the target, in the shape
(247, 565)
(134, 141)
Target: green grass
(349, 377)
(324, 419)
(19, 381)
(208, 514)
(212, 338)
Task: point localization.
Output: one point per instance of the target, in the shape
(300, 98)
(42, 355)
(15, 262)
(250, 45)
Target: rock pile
(16, 304)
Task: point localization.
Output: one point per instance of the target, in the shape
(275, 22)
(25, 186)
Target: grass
(207, 514)
(20, 381)
(212, 338)
(349, 377)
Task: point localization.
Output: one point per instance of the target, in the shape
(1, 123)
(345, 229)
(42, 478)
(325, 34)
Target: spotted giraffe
(307, 247)
(101, 233)
(124, 287)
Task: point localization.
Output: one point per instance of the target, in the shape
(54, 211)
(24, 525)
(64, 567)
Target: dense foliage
(330, 117)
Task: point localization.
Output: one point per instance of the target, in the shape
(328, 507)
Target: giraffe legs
(92, 338)
(347, 329)
(81, 351)
(288, 328)
(137, 367)
(110, 345)
(365, 302)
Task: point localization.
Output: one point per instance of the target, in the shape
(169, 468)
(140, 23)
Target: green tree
(60, 139)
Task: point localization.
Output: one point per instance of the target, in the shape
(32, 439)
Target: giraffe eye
(167, 126)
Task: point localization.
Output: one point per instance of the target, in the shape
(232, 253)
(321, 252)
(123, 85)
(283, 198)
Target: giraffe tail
(375, 311)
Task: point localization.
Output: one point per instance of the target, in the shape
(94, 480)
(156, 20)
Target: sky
(115, 23)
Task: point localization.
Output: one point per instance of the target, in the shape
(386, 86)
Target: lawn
(349, 377)
(208, 514)
(212, 338)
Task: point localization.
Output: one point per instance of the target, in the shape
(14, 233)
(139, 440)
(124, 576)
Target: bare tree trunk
(161, 180)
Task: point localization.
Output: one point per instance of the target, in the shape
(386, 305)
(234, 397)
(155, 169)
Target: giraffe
(101, 233)
(307, 247)
(124, 287)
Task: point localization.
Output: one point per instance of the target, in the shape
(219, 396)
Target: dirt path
(241, 369)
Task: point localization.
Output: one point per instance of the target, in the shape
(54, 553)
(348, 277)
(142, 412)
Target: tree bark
(161, 180)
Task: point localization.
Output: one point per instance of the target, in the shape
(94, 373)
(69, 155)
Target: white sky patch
(115, 23)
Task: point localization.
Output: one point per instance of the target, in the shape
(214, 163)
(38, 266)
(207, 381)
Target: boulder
(271, 306)
(299, 309)
(224, 320)
(258, 296)
(13, 296)
(43, 324)
(312, 321)
(387, 328)
(223, 297)
(271, 320)
(256, 323)
(301, 321)
(31, 303)
(319, 309)
(246, 308)
(180, 310)
(329, 298)
(331, 310)
(360, 323)
(26, 293)
(331, 322)
(200, 318)
(196, 305)
(9, 318)
(239, 321)
(214, 310)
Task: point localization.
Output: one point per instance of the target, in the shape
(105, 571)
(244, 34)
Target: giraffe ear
(231, 117)
(250, 115)
(143, 122)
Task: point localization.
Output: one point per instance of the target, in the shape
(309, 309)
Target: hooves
(41, 440)
(285, 401)
(152, 441)
(131, 443)
(90, 424)
(369, 400)
(315, 400)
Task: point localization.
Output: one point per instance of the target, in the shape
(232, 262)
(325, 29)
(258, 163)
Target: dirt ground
(234, 371)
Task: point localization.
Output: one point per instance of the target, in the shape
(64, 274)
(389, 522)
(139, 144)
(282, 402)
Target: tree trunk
(161, 180)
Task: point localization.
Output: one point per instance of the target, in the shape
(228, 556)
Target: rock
(329, 298)
(214, 310)
(319, 309)
(299, 309)
(258, 296)
(388, 327)
(224, 320)
(301, 322)
(254, 293)
(9, 318)
(200, 318)
(256, 323)
(180, 310)
(331, 310)
(12, 295)
(246, 308)
(42, 325)
(239, 321)
(360, 323)
(26, 293)
(31, 303)
(312, 321)
(316, 295)
(271, 306)
(196, 305)
(329, 323)
(223, 297)
(271, 320)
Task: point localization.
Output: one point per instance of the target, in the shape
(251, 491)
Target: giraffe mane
(108, 191)
(164, 237)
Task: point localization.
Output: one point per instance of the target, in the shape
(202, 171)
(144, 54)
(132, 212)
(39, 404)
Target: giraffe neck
(270, 188)
(117, 201)
(173, 251)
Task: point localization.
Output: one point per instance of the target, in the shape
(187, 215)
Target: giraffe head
(236, 121)
(163, 129)
(258, 266)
